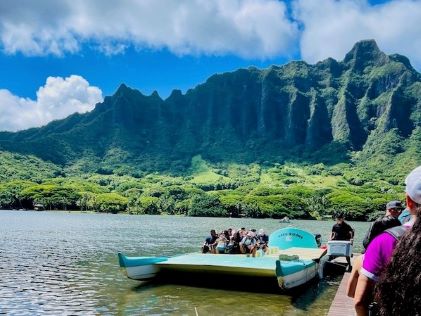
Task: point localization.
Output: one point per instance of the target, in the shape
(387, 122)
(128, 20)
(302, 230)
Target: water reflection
(65, 263)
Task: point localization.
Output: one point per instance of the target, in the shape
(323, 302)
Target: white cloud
(248, 28)
(332, 27)
(58, 98)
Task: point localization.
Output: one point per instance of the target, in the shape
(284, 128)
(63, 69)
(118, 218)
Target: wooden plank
(342, 305)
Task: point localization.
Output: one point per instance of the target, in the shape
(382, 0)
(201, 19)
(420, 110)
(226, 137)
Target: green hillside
(299, 140)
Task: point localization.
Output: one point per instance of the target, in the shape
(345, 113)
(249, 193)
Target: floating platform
(293, 260)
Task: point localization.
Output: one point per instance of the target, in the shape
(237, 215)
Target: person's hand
(352, 241)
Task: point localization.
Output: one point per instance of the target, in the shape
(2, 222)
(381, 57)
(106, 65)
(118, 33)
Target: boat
(39, 207)
(293, 259)
(285, 220)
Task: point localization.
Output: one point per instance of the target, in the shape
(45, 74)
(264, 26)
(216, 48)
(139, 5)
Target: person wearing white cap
(398, 290)
(380, 249)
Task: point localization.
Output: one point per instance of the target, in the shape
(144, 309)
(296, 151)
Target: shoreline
(179, 215)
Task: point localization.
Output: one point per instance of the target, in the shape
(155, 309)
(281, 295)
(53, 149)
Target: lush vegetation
(299, 140)
(294, 190)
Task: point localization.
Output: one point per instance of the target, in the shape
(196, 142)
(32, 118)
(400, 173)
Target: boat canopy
(292, 237)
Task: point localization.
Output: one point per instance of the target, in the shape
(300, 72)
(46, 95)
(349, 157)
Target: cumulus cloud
(58, 98)
(248, 28)
(331, 27)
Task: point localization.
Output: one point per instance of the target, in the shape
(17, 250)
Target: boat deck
(240, 264)
(304, 253)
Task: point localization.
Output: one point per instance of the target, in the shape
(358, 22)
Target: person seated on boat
(318, 238)
(389, 220)
(342, 231)
(210, 242)
(248, 244)
(235, 240)
(221, 243)
(262, 240)
(243, 232)
(231, 243)
(229, 232)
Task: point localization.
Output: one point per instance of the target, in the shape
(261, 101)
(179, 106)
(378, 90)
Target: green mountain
(298, 140)
(297, 112)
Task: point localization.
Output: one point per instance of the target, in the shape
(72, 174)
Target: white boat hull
(142, 272)
(298, 278)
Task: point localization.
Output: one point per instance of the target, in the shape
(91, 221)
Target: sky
(61, 57)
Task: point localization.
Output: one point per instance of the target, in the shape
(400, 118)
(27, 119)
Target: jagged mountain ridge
(246, 115)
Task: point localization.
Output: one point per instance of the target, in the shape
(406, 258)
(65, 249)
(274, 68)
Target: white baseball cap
(413, 185)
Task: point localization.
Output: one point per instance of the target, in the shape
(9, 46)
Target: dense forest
(295, 190)
(299, 140)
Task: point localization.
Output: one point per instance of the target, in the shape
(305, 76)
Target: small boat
(39, 207)
(285, 220)
(293, 259)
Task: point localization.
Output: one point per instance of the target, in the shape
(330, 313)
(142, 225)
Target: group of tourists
(232, 241)
(386, 278)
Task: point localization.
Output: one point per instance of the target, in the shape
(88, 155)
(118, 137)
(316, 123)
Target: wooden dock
(342, 305)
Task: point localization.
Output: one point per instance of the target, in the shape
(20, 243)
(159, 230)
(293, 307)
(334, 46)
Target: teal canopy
(292, 237)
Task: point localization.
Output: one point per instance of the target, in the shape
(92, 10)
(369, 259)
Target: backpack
(397, 232)
(377, 227)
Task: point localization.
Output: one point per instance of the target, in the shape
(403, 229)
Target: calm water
(63, 263)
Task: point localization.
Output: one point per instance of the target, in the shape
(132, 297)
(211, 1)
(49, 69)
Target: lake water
(60, 263)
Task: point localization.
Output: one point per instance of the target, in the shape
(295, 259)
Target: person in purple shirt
(398, 291)
(380, 250)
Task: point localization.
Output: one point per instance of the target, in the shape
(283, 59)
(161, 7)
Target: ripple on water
(59, 263)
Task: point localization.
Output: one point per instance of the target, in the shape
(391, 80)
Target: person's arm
(363, 295)
(353, 278)
(332, 235)
(375, 258)
(351, 232)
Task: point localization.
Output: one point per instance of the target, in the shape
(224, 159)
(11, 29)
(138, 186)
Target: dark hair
(398, 290)
(339, 215)
(227, 235)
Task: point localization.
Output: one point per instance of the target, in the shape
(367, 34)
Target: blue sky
(58, 57)
(146, 70)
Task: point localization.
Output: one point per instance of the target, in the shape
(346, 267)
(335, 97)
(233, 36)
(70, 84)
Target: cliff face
(245, 115)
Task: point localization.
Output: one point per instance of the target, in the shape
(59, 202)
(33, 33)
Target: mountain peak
(364, 53)
(122, 89)
(176, 93)
(156, 95)
(233, 116)
(367, 45)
